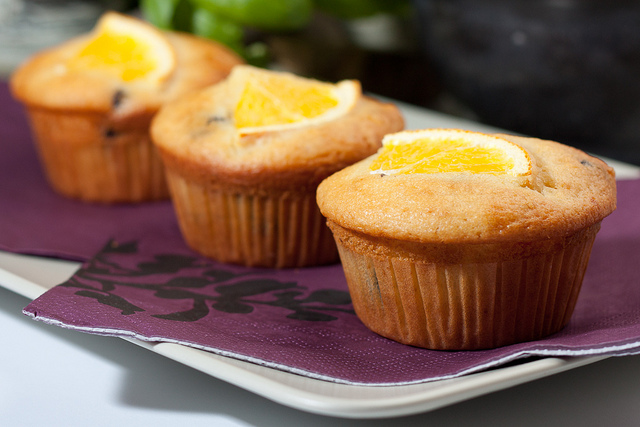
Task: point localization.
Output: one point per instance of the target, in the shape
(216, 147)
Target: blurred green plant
(226, 21)
(354, 9)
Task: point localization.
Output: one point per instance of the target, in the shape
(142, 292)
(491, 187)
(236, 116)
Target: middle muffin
(244, 157)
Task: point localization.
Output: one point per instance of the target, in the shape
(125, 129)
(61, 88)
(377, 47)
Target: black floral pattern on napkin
(207, 286)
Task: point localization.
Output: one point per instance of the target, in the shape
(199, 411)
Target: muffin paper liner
(103, 170)
(468, 306)
(140, 280)
(281, 230)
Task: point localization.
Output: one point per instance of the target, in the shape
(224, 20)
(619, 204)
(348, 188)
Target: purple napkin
(140, 280)
(37, 221)
(151, 287)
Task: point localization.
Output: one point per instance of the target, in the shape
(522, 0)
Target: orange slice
(276, 101)
(127, 49)
(449, 151)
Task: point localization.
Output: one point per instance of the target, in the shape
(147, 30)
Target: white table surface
(55, 377)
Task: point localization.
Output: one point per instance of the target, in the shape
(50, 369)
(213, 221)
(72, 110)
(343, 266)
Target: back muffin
(91, 101)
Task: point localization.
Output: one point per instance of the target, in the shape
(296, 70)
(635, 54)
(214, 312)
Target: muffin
(90, 102)
(455, 240)
(244, 158)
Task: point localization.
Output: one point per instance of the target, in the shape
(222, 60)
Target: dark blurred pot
(567, 70)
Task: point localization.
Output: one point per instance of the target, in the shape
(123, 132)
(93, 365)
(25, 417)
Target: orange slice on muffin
(128, 49)
(278, 101)
(449, 151)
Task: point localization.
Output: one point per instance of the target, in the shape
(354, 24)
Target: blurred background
(567, 70)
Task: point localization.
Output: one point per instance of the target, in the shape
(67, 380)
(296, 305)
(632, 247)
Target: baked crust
(44, 81)
(197, 137)
(567, 191)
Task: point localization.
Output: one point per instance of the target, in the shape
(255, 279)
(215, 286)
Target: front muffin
(244, 159)
(90, 102)
(456, 240)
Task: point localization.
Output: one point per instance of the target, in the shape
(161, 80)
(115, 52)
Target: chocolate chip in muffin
(216, 119)
(110, 133)
(117, 99)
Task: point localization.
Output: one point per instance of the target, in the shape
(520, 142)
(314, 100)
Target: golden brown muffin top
(566, 191)
(197, 135)
(45, 80)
